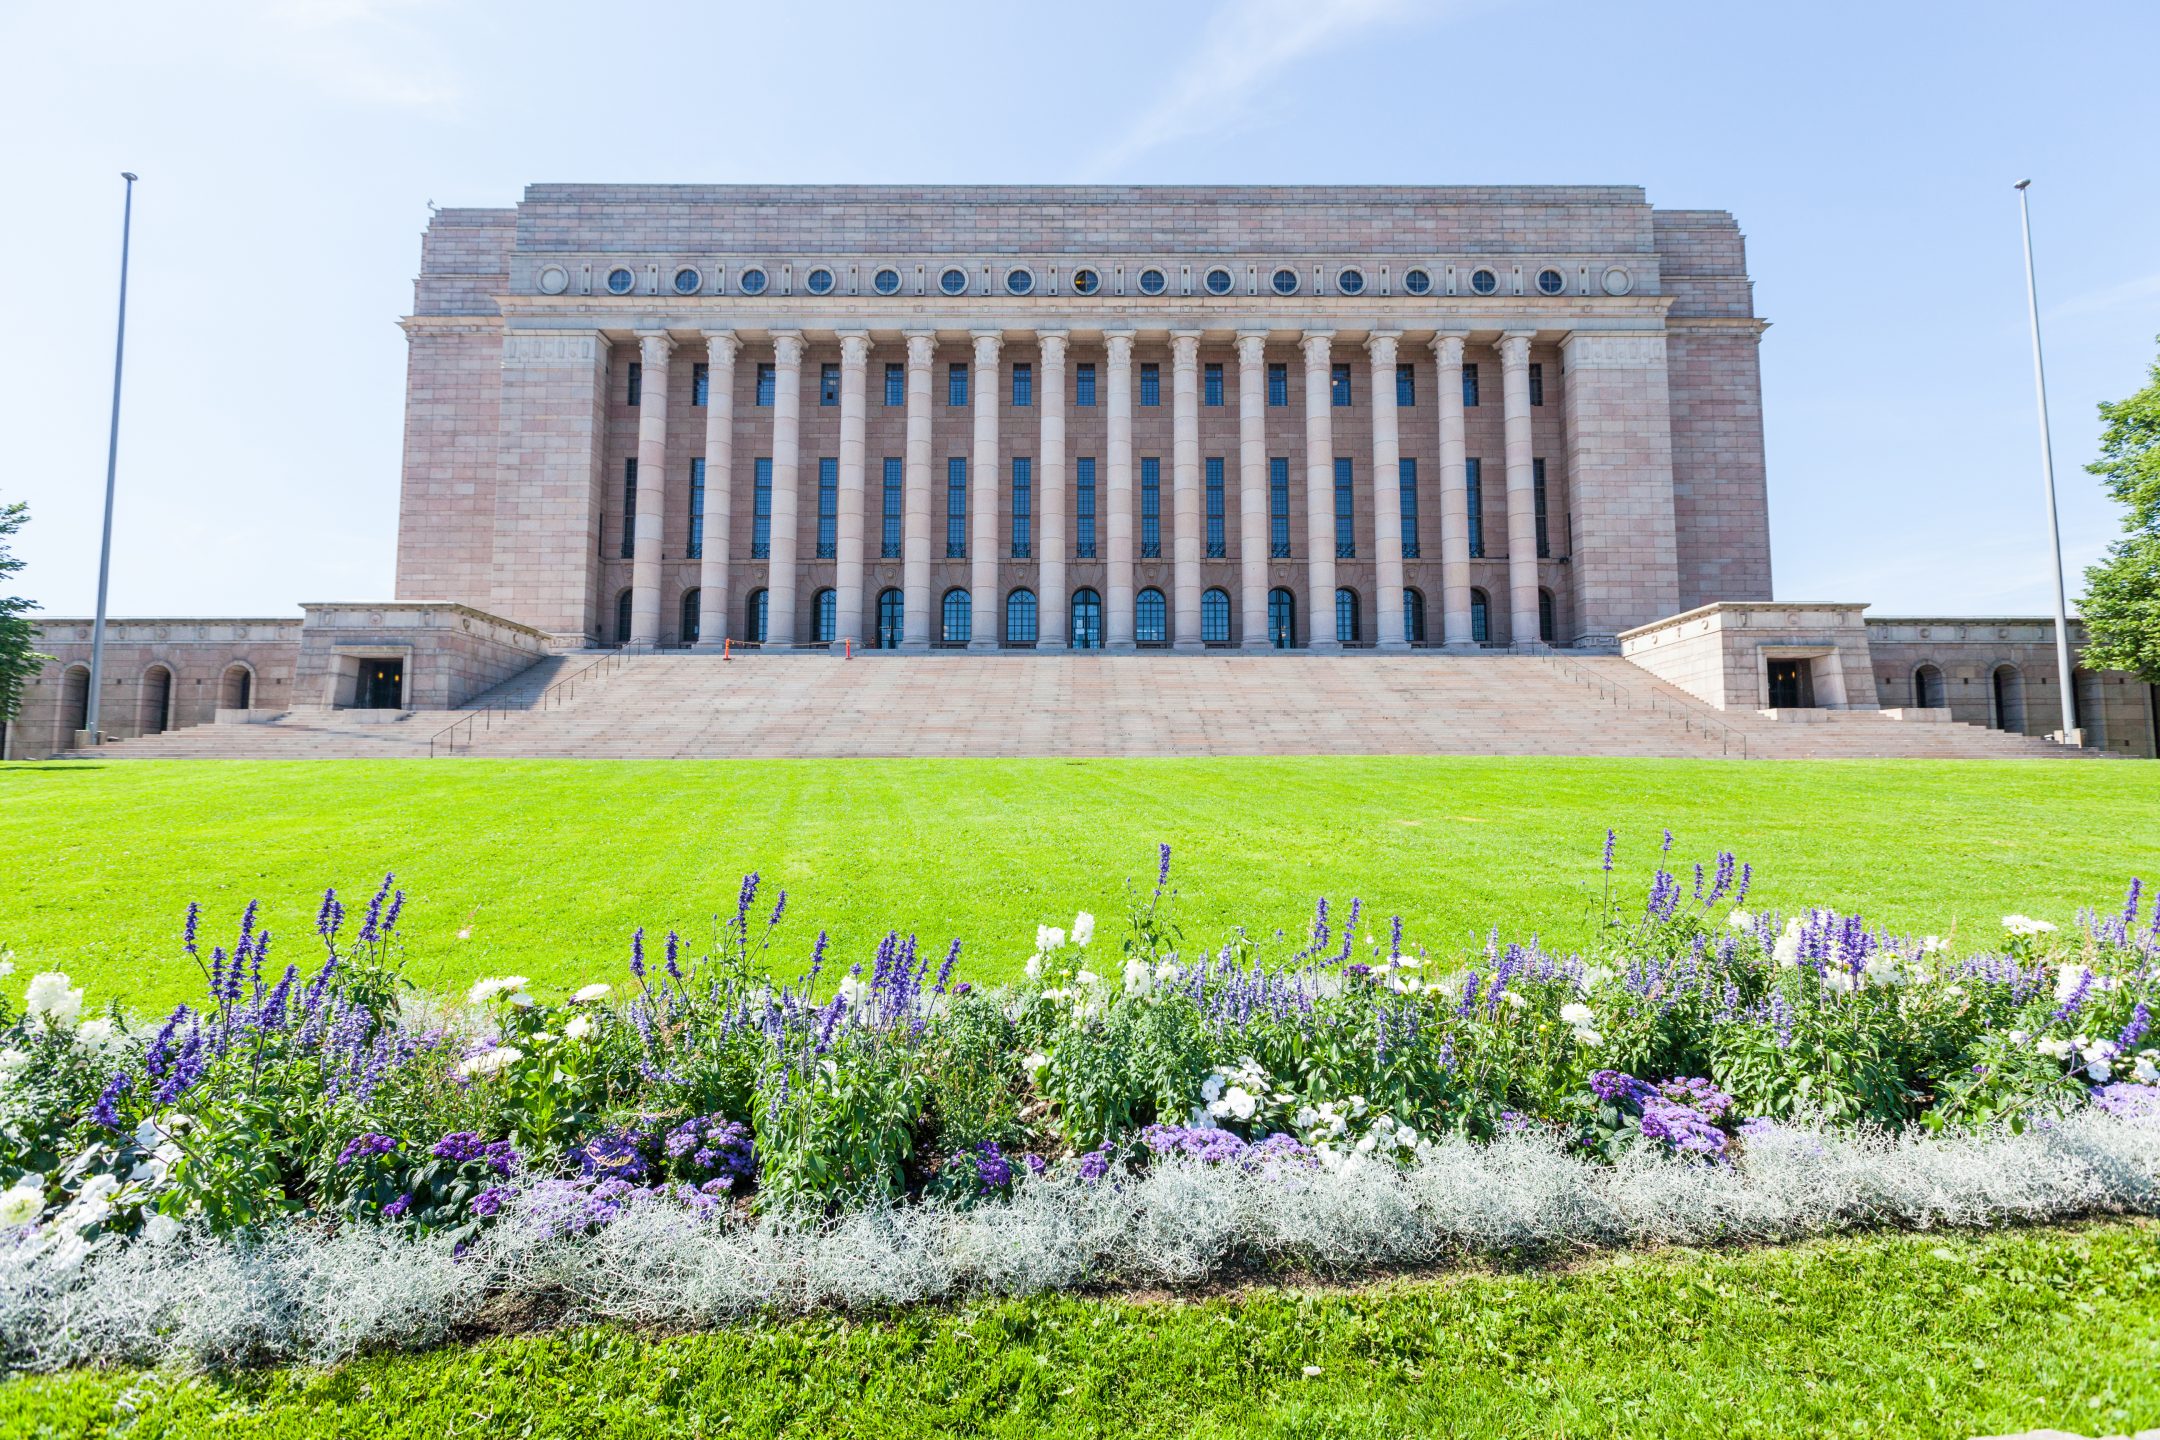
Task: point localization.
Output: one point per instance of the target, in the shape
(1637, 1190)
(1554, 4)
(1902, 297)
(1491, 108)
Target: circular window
(1550, 282)
(1417, 282)
(953, 281)
(818, 281)
(753, 281)
(1086, 282)
(554, 280)
(1618, 281)
(687, 281)
(619, 280)
(1151, 282)
(1484, 282)
(886, 282)
(1019, 282)
(1284, 281)
(1350, 282)
(1218, 282)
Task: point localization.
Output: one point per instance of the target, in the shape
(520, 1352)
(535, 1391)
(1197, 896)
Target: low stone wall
(450, 652)
(2002, 672)
(160, 674)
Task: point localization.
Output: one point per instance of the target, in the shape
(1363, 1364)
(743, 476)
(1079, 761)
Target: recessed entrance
(1792, 685)
(382, 684)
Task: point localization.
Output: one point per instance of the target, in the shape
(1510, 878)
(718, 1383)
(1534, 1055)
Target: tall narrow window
(1474, 499)
(700, 383)
(1537, 384)
(1084, 384)
(895, 383)
(634, 384)
(828, 508)
(1413, 615)
(756, 617)
(767, 383)
(891, 615)
(1086, 628)
(828, 385)
(1023, 383)
(1480, 618)
(1408, 468)
(1278, 488)
(1281, 618)
(956, 508)
(1405, 384)
(761, 509)
(1020, 618)
(1278, 385)
(629, 508)
(1216, 545)
(1537, 505)
(1151, 618)
(1215, 617)
(1211, 385)
(1339, 384)
(1345, 510)
(1023, 507)
(1469, 385)
(689, 617)
(1084, 508)
(889, 531)
(825, 606)
(1546, 630)
(957, 626)
(956, 377)
(1151, 384)
(696, 550)
(622, 621)
(1151, 509)
(1346, 616)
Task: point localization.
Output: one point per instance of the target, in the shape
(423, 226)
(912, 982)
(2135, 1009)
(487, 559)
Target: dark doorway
(1792, 685)
(385, 685)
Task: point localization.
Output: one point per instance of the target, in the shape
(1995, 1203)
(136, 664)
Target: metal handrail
(1690, 721)
(547, 699)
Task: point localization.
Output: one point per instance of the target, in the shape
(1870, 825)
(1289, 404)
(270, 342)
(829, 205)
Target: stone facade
(159, 675)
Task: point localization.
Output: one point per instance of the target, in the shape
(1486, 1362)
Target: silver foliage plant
(318, 1295)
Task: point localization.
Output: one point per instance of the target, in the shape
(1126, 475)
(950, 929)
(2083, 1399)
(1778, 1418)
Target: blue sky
(288, 153)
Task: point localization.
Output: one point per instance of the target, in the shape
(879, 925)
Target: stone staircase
(1013, 705)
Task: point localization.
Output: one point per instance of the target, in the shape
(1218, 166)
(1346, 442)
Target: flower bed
(383, 1165)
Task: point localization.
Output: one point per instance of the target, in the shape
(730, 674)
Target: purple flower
(2129, 1101)
(396, 1208)
(2140, 1021)
(194, 917)
(1096, 1163)
(107, 1110)
(674, 947)
(1619, 1087)
(993, 1172)
(1611, 840)
(489, 1202)
(1162, 866)
(637, 952)
(365, 1145)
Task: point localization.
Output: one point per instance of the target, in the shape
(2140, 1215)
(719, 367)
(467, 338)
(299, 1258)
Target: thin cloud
(2143, 289)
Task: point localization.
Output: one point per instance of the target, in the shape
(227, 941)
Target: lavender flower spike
(1611, 839)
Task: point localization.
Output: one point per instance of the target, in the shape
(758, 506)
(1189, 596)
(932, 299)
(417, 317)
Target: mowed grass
(552, 864)
(1886, 1336)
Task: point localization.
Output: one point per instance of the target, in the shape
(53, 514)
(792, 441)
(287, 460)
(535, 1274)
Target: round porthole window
(554, 280)
(1350, 282)
(1417, 282)
(818, 281)
(1284, 281)
(1618, 281)
(953, 281)
(753, 281)
(1151, 282)
(619, 280)
(1550, 282)
(1086, 282)
(1019, 282)
(886, 282)
(1484, 282)
(1218, 282)
(687, 281)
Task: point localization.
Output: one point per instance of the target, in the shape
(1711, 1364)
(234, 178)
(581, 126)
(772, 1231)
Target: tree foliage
(19, 659)
(2122, 592)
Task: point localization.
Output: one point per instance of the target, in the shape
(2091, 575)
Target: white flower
(485, 990)
(1034, 967)
(161, 1229)
(2019, 1037)
(7, 962)
(598, 990)
(1034, 1062)
(1139, 979)
(1083, 928)
(1577, 1014)
(2054, 1047)
(1931, 943)
(99, 1034)
(579, 1027)
(2067, 980)
(1312, 1372)
(2145, 1072)
(1239, 1103)
(519, 1001)
(488, 1062)
(1088, 977)
(12, 1061)
(92, 1203)
(1048, 938)
(1211, 1088)
(1589, 1039)
(1740, 920)
(854, 990)
(1787, 949)
(2100, 1071)
(2026, 925)
(67, 1251)
(1516, 1000)
(23, 1203)
(49, 999)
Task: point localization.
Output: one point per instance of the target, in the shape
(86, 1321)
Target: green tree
(2122, 592)
(19, 659)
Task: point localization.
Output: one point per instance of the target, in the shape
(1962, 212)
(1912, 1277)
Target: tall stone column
(848, 532)
(1319, 492)
(786, 463)
(1051, 604)
(1118, 566)
(915, 532)
(1252, 488)
(1521, 490)
(1185, 488)
(654, 347)
(1454, 496)
(986, 489)
(721, 347)
(1387, 494)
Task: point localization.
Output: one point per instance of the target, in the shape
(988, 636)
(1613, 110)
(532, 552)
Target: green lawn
(552, 863)
(1884, 1337)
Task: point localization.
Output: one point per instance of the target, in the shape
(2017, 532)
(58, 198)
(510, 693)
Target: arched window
(2008, 696)
(1413, 615)
(1927, 688)
(959, 623)
(1281, 619)
(1086, 620)
(754, 618)
(1215, 617)
(1346, 616)
(1151, 618)
(689, 630)
(891, 607)
(1546, 630)
(622, 618)
(236, 687)
(1480, 618)
(74, 705)
(157, 697)
(825, 605)
(1020, 618)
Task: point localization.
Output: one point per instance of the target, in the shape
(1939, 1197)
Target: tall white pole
(112, 466)
(2047, 476)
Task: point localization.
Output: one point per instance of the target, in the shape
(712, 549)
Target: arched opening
(2091, 708)
(1086, 620)
(2007, 699)
(690, 617)
(236, 687)
(156, 713)
(1020, 618)
(1151, 618)
(959, 619)
(1547, 630)
(1927, 688)
(74, 705)
(1282, 619)
(891, 609)
(1215, 617)
(1413, 615)
(825, 606)
(622, 618)
(1346, 616)
(1480, 618)
(754, 617)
